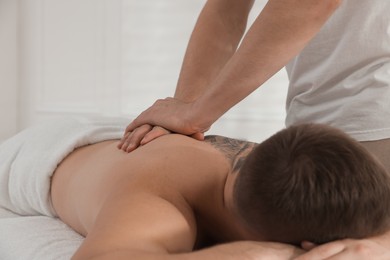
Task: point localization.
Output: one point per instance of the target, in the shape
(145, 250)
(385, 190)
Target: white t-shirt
(342, 77)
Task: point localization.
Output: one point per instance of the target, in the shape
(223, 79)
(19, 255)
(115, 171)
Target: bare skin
(213, 65)
(164, 199)
(217, 73)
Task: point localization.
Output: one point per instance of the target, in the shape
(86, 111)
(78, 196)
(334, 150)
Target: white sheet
(36, 238)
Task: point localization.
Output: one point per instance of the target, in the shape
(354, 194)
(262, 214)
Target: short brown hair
(312, 182)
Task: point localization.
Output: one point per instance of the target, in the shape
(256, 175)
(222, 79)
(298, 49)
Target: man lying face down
(176, 195)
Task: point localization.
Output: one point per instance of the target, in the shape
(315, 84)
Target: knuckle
(147, 127)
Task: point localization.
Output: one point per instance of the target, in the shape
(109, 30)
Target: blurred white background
(111, 58)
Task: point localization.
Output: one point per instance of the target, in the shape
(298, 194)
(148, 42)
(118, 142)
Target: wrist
(200, 116)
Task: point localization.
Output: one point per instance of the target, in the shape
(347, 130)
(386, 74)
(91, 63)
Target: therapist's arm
(214, 40)
(279, 33)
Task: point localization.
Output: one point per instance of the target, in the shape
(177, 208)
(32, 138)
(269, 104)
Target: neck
(218, 223)
(215, 218)
(235, 151)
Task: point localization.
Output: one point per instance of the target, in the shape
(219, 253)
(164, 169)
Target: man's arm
(377, 248)
(140, 224)
(144, 226)
(245, 250)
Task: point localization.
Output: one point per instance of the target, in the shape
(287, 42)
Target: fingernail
(130, 148)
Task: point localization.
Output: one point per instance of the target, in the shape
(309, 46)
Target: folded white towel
(28, 160)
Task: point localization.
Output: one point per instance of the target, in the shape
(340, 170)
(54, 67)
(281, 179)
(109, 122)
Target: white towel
(28, 160)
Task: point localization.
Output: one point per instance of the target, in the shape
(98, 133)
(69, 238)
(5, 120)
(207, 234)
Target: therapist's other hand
(172, 114)
(348, 249)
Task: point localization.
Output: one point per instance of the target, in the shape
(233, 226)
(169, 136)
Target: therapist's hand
(165, 116)
(143, 135)
(172, 114)
(140, 136)
(348, 249)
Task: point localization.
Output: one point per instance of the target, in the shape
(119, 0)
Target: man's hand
(249, 250)
(348, 249)
(244, 250)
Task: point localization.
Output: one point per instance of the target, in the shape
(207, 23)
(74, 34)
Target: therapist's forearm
(215, 38)
(279, 33)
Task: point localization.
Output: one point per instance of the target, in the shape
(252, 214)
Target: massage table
(36, 238)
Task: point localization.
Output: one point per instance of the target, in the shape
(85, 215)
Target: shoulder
(213, 149)
(229, 146)
(180, 150)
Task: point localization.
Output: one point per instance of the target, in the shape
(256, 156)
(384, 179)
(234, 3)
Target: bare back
(118, 199)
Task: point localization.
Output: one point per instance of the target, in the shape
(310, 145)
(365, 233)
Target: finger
(344, 255)
(307, 245)
(347, 255)
(123, 139)
(137, 136)
(133, 140)
(154, 133)
(133, 125)
(138, 121)
(127, 141)
(323, 252)
(147, 116)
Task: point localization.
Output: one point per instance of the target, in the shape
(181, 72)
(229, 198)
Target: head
(312, 182)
